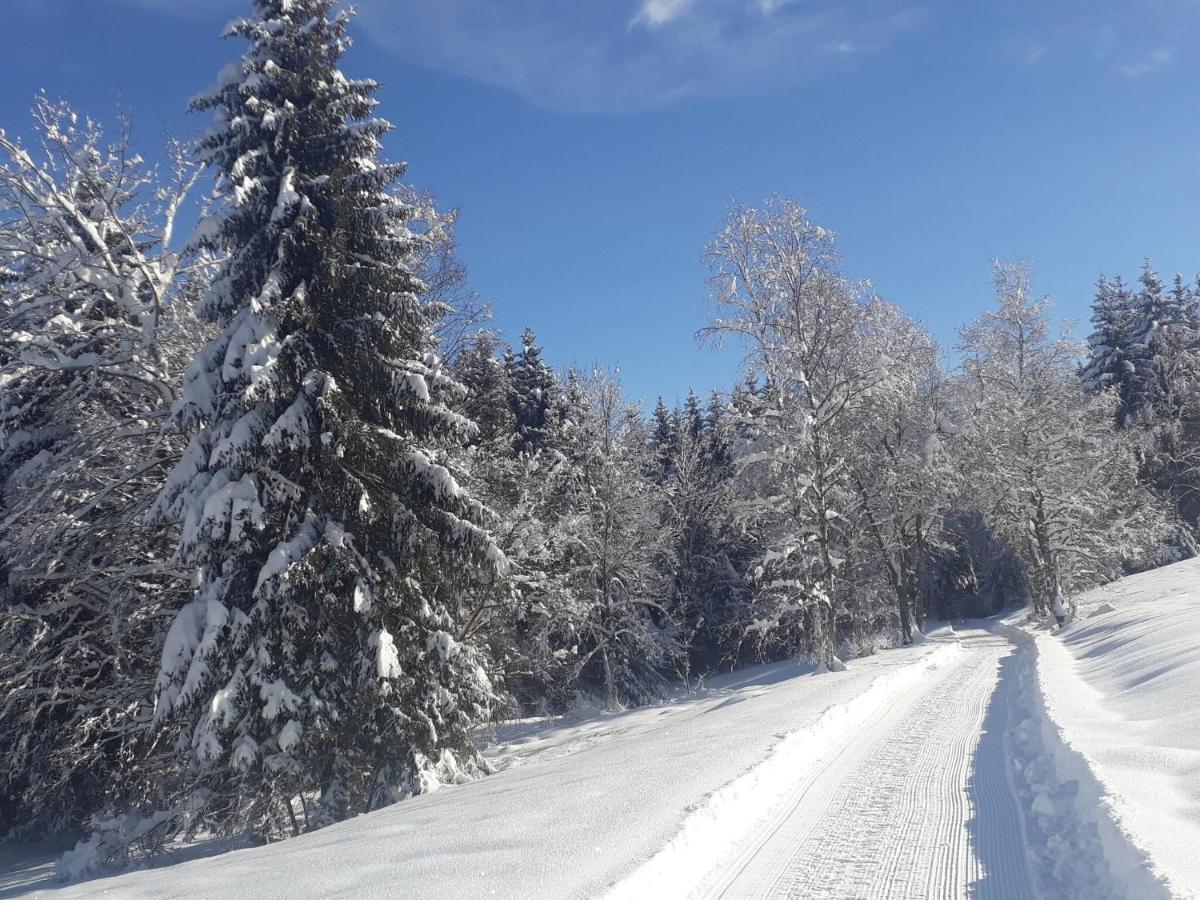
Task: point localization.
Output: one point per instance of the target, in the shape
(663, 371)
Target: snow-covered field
(990, 761)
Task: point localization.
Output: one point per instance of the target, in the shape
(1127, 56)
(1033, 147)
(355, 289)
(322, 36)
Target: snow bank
(1077, 845)
(1119, 711)
(732, 812)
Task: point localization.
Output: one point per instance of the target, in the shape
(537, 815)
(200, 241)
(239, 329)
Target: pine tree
(716, 419)
(1167, 342)
(665, 439)
(707, 585)
(488, 390)
(533, 393)
(317, 673)
(1150, 316)
(1166, 363)
(692, 417)
(1111, 346)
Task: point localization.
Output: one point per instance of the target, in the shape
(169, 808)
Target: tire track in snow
(915, 805)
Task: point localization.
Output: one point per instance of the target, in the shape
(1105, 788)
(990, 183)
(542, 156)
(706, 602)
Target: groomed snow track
(914, 801)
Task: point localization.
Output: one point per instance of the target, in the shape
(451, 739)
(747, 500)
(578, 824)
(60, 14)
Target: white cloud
(656, 13)
(635, 54)
(1034, 54)
(1156, 59)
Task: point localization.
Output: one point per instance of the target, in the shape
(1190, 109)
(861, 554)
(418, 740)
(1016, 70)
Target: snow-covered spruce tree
(317, 673)
(95, 327)
(1111, 346)
(533, 394)
(707, 586)
(1166, 372)
(665, 437)
(524, 489)
(488, 392)
(1053, 474)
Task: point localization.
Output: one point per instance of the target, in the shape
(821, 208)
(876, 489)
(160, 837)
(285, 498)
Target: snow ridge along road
(909, 797)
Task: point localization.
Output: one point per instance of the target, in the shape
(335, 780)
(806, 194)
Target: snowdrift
(1121, 694)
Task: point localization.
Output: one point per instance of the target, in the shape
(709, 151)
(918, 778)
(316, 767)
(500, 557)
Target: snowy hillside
(1123, 682)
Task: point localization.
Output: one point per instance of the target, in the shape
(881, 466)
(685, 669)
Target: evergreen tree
(665, 439)
(716, 417)
(1111, 346)
(533, 393)
(488, 390)
(1167, 371)
(1149, 313)
(707, 586)
(692, 417)
(317, 672)
(1167, 344)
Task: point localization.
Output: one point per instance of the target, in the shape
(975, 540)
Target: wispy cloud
(636, 54)
(617, 55)
(1156, 59)
(656, 13)
(1033, 54)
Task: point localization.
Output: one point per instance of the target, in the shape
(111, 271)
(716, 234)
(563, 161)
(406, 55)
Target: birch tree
(1060, 481)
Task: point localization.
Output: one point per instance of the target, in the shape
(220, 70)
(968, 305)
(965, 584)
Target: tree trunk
(906, 617)
(608, 680)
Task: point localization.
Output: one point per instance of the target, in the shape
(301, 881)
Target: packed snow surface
(916, 804)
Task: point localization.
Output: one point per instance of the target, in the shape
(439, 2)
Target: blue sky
(594, 146)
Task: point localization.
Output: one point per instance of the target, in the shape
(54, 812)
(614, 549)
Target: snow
(387, 658)
(289, 735)
(733, 811)
(1122, 688)
(577, 805)
(914, 803)
(1012, 761)
(286, 553)
(277, 697)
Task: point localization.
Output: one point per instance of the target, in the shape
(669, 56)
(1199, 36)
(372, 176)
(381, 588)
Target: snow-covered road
(916, 804)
